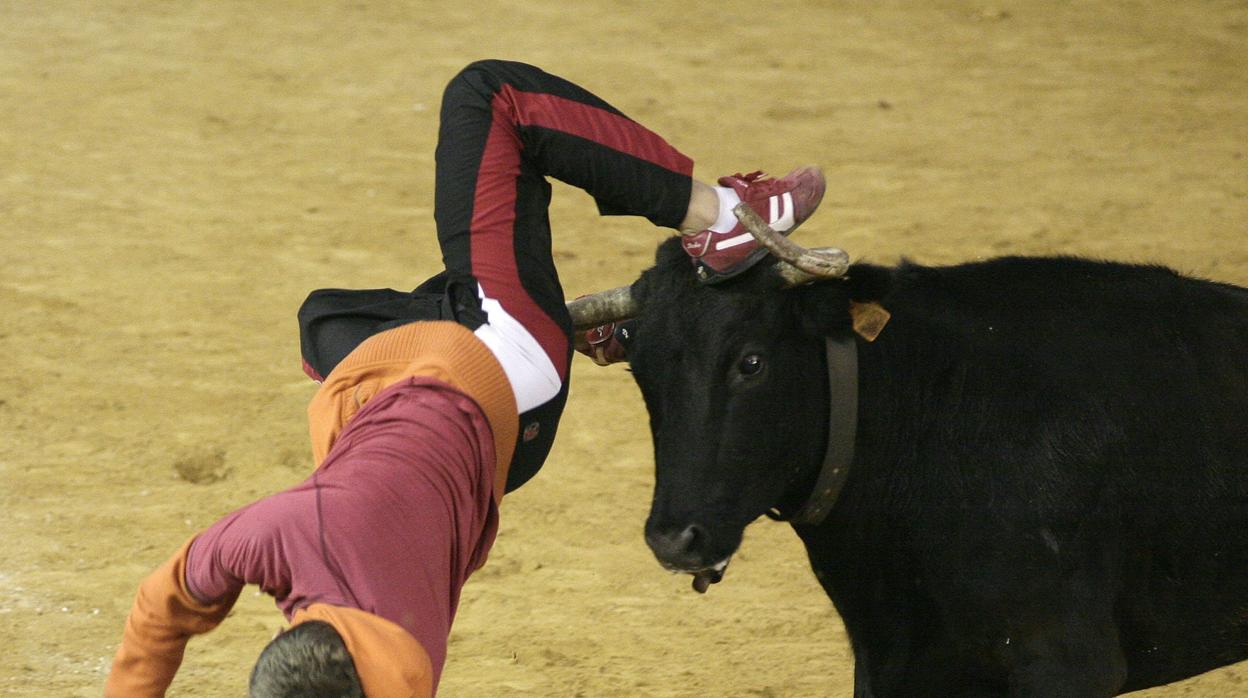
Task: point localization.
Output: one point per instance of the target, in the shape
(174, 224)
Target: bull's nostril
(690, 537)
(677, 546)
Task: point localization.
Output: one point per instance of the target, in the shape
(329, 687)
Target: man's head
(309, 660)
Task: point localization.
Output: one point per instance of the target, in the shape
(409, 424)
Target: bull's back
(1154, 368)
(1184, 607)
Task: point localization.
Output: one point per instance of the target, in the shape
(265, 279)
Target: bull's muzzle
(686, 550)
(678, 548)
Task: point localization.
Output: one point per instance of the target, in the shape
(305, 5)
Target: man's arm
(164, 616)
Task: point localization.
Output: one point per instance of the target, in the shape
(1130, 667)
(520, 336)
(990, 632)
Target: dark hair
(308, 660)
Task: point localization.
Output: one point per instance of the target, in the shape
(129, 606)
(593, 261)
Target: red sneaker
(784, 203)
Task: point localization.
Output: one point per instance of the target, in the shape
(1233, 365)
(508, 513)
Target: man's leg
(505, 127)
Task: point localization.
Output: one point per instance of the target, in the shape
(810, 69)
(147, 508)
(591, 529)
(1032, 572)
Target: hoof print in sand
(202, 467)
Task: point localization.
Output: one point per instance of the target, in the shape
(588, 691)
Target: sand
(175, 177)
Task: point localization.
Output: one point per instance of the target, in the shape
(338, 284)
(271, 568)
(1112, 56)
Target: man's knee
(489, 66)
(483, 76)
(487, 76)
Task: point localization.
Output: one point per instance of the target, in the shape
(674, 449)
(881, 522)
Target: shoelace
(759, 185)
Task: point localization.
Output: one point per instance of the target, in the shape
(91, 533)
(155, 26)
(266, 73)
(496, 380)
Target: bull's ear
(824, 306)
(869, 283)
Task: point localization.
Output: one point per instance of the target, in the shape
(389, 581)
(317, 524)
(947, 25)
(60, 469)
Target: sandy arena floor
(175, 177)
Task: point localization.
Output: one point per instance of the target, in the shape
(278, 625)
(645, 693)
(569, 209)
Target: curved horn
(804, 265)
(792, 276)
(602, 307)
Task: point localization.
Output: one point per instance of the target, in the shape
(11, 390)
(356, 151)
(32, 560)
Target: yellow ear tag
(869, 319)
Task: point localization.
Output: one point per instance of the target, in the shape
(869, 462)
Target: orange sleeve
(163, 618)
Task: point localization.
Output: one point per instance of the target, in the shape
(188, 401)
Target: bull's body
(1050, 489)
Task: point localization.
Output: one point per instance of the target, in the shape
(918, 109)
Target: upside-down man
(436, 402)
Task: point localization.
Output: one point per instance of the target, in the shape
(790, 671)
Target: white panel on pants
(533, 377)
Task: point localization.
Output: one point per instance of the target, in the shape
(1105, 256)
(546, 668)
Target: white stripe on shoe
(780, 217)
(783, 219)
(734, 241)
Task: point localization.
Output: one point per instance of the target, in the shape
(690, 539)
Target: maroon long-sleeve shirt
(392, 523)
(412, 433)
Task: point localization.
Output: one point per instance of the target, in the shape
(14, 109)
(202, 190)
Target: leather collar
(842, 356)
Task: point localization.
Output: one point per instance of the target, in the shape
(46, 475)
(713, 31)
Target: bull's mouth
(693, 548)
(703, 577)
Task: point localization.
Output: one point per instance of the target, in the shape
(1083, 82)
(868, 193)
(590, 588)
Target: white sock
(727, 220)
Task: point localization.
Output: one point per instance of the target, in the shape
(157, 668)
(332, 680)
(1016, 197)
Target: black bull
(1049, 493)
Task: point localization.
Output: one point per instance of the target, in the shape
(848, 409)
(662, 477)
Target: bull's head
(733, 379)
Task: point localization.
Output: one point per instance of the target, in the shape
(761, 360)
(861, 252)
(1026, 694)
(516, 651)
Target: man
(435, 403)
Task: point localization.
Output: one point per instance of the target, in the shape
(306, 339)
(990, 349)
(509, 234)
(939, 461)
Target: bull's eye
(751, 365)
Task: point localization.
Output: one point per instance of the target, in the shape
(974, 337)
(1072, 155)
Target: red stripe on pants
(593, 124)
(492, 230)
(494, 201)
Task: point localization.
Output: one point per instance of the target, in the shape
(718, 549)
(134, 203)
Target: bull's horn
(792, 276)
(819, 263)
(602, 307)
